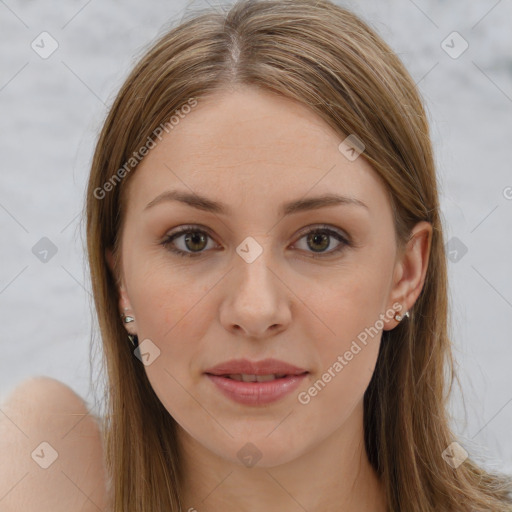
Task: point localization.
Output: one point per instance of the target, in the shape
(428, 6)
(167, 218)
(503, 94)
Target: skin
(253, 151)
(52, 453)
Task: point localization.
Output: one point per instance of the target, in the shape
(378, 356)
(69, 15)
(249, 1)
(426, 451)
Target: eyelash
(167, 243)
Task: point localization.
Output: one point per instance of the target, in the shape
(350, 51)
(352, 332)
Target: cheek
(171, 313)
(330, 399)
(347, 343)
(350, 304)
(346, 362)
(165, 297)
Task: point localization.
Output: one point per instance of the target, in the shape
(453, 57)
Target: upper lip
(263, 367)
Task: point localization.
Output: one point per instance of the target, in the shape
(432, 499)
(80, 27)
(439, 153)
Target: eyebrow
(209, 205)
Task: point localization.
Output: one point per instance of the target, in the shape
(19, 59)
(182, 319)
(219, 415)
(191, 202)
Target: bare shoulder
(52, 450)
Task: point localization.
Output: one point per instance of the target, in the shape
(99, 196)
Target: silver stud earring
(132, 337)
(398, 317)
(127, 319)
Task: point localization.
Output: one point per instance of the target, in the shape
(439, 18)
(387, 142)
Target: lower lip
(256, 393)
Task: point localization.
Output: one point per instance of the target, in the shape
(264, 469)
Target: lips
(244, 377)
(247, 370)
(256, 383)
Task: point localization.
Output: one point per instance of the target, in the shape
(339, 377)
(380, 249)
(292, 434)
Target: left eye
(196, 240)
(320, 237)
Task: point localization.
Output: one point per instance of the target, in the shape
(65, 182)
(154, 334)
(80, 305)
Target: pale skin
(52, 454)
(254, 151)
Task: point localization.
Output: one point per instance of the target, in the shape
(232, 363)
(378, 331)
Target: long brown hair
(328, 59)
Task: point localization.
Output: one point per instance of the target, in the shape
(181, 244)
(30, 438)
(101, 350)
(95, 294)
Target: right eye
(193, 239)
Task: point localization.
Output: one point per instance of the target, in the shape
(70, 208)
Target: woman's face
(261, 284)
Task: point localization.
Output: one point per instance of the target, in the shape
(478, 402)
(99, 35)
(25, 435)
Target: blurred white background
(52, 109)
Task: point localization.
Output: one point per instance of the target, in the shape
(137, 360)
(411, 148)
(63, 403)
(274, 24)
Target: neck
(334, 474)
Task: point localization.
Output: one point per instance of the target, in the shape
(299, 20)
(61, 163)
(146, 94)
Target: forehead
(249, 144)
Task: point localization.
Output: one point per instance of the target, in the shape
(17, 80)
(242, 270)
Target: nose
(256, 302)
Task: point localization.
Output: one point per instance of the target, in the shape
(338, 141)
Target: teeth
(255, 378)
(265, 378)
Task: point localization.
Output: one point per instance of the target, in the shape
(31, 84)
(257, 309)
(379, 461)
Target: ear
(410, 270)
(124, 302)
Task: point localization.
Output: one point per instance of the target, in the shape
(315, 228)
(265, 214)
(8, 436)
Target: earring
(398, 317)
(134, 339)
(127, 319)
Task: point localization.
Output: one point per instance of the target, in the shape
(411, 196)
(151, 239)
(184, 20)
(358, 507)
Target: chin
(258, 451)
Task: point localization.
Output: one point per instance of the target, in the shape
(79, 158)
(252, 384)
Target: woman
(248, 368)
